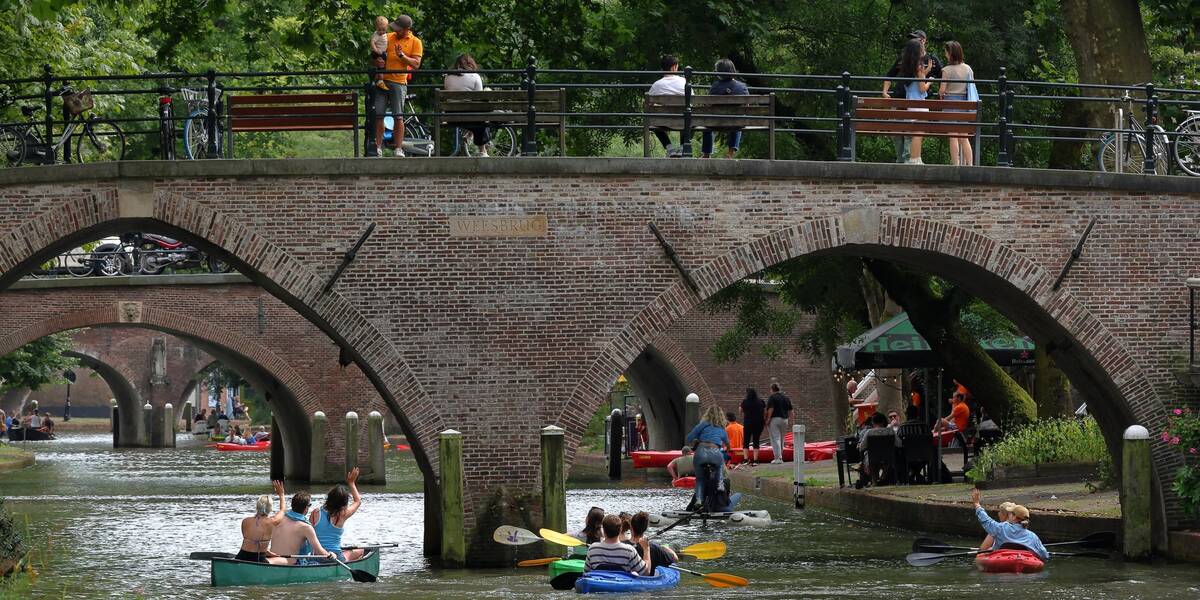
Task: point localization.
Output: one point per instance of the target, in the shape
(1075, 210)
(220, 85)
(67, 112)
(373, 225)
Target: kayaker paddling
(1013, 531)
(295, 535)
(258, 530)
(340, 504)
(610, 554)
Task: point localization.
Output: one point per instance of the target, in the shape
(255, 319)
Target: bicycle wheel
(101, 140)
(1135, 157)
(12, 146)
(505, 142)
(1187, 146)
(417, 138)
(1162, 153)
(195, 134)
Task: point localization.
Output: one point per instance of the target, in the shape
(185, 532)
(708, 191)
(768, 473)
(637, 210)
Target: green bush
(1045, 442)
(12, 546)
(1183, 430)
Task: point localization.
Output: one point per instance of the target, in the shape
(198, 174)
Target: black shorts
(248, 556)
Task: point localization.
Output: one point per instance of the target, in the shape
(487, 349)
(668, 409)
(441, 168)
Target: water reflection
(119, 523)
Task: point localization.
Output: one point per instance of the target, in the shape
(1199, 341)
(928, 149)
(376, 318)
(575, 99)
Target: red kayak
(643, 459)
(688, 482)
(1009, 561)
(403, 447)
(259, 447)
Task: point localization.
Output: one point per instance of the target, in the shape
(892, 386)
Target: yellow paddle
(537, 562)
(721, 580)
(561, 539)
(705, 550)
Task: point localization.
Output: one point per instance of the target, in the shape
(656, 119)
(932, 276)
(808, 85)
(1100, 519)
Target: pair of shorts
(393, 98)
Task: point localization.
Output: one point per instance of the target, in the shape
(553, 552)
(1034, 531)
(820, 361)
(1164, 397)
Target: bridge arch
(663, 375)
(138, 205)
(1118, 389)
(120, 384)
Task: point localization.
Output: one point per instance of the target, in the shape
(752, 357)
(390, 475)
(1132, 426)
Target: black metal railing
(1019, 120)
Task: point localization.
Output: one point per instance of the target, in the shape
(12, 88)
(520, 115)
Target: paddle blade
(566, 581)
(1103, 539)
(705, 550)
(537, 562)
(1081, 554)
(362, 576)
(514, 536)
(725, 580)
(561, 539)
(209, 555)
(932, 545)
(924, 559)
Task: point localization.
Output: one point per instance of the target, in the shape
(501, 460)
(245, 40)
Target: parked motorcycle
(152, 253)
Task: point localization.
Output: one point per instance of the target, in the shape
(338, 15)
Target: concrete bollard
(691, 413)
(188, 415)
(278, 470)
(115, 424)
(168, 426)
(1136, 491)
(316, 466)
(450, 458)
(375, 439)
(798, 465)
(554, 485)
(616, 433)
(144, 437)
(351, 437)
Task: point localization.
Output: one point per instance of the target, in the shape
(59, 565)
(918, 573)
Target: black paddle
(565, 581)
(1082, 554)
(1101, 539)
(209, 555)
(358, 574)
(925, 559)
(686, 517)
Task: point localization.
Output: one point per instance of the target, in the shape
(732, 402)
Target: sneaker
(381, 85)
(483, 153)
(674, 151)
(777, 462)
(399, 153)
(914, 161)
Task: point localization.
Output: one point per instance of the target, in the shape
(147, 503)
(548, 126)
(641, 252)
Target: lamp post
(69, 375)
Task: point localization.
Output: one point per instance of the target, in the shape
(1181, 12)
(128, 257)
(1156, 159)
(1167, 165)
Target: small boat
(216, 438)
(230, 447)
(715, 516)
(687, 482)
(21, 434)
(594, 582)
(567, 565)
(751, 518)
(643, 459)
(229, 571)
(1009, 561)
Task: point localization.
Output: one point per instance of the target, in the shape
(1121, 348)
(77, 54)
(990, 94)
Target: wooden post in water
(450, 459)
(554, 485)
(616, 433)
(316, 466)
(351, 437)
(188, 415)
(278, 473)
(168, 426)
(691, 413)
(375, 439)
(115, 424)
(1136, 493)
(145, 435)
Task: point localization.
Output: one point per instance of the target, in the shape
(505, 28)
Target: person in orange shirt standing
(404, 51)
(735, 431)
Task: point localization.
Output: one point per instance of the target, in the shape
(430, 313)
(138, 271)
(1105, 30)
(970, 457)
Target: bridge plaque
(495, 226)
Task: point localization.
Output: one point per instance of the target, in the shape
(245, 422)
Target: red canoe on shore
(259, 447)
(813, 452)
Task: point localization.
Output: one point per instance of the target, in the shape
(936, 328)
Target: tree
(36, 364)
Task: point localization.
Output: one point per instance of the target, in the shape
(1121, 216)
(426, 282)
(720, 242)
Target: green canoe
(227, 571)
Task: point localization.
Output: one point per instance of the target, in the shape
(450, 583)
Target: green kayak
(569, 565)
(227, 571)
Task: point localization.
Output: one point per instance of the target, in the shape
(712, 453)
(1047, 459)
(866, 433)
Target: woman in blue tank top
(329, 520)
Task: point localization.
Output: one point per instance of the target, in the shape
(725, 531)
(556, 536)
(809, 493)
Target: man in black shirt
(935, 72)
(779, 411)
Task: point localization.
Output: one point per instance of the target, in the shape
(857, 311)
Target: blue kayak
(599, 582)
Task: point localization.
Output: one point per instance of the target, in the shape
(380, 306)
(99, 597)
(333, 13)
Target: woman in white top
(468, 81)
(955, 77)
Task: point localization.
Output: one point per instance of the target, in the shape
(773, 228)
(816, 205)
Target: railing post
(1151, 123)
(210, 119)
(48, 96)
(529, 145)
(685, 136)
(370, 144)
(1002, 157)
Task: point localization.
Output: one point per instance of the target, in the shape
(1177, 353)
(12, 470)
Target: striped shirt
(602, 556)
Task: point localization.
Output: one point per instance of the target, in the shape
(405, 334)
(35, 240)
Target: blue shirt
(1010, 533)
(912, 91)
(732, 87)
(706, 432)
(329, 536)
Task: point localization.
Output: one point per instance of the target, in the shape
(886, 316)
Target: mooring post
(187, 416)
(278, 470)
(450, 458)
(798, 465)
(691, 413)
(351, 437)
(316, 465)
(554, 485)
(616, 433)
(168, 426)
(115, 424)
(375, 441)
(147, 432)
(1135, 491)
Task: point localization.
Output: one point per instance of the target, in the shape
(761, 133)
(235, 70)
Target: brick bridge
(485, 277)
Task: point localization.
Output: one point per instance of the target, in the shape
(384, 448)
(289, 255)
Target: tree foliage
(36, 364)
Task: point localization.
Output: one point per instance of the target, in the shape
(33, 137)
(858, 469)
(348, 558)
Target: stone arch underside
(1094, 360)
(663, 375)
(66, 223)
(120, 384)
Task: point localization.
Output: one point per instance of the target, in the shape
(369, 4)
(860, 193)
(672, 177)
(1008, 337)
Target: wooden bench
(502, 108)
(891, 116)
(291, 112)
(716, 113)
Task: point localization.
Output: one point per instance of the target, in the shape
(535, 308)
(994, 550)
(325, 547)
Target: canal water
(120, 523)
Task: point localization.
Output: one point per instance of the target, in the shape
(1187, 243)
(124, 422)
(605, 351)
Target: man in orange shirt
(960, 413)
(735, 431)
(404, 51)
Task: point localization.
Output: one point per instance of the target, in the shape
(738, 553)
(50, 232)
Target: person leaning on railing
(725, 85)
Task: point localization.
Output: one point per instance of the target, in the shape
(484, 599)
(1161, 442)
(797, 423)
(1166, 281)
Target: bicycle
(1134, 141)
(417, 137)
(504, 142)
(99, 140)
(1186, 149)
(195, 129)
